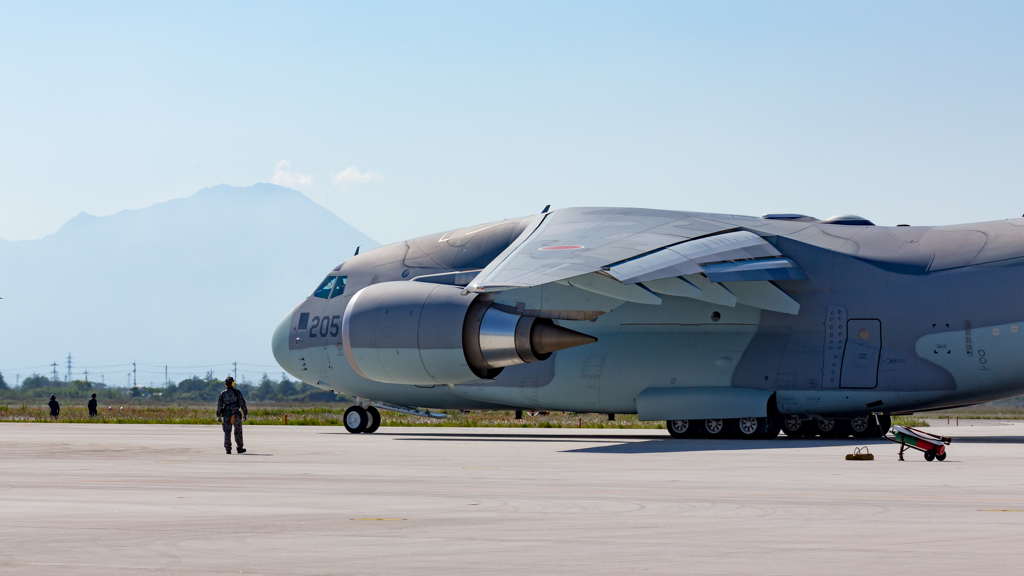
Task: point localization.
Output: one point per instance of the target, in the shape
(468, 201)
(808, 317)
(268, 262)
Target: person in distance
(231, 410)
(54, 407)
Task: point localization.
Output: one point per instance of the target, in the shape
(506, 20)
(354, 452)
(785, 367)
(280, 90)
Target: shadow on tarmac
(658, 443)
(699, 445)
(988, 440)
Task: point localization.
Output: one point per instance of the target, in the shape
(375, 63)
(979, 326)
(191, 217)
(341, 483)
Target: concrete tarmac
(126, 499)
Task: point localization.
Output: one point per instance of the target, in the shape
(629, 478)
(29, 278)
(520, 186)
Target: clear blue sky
(458, 113)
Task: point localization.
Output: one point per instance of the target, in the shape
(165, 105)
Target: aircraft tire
(863, 426)
(773, 426)
(374, 415)
(794, 427)
(715, 428)
(750, 428)
(681, 428)
(825, 428)
(356, 419)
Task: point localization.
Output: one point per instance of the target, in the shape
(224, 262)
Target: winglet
(357, 251)
(546, 208)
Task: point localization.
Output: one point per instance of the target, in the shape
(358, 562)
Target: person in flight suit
(54, 407)
(92, 406)
(231, 410)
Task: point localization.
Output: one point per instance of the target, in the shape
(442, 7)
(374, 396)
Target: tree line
(38, 387)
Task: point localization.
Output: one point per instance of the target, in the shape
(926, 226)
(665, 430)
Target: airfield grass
(331, 416)
(313, 416)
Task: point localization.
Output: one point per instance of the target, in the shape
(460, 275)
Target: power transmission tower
(68, 377)
(166, 379)
(236, 371)
(54, 371)
(86, 375)
(135, 380)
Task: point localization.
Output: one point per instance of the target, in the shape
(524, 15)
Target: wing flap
(763, 295)
(754, 270)
(605, 286)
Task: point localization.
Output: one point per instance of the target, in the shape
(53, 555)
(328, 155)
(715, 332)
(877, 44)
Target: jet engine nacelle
(423, 333)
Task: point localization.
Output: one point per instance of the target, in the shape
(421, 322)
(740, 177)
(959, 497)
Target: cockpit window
(332, 286)
(324, 291)
(339, 286)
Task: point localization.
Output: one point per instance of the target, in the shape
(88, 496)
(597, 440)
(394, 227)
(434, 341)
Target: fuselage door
(860, 359)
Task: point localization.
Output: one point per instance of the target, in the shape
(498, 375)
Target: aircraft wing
(635, 254)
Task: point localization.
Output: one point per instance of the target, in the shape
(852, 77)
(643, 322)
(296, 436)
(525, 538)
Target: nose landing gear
(359, 420)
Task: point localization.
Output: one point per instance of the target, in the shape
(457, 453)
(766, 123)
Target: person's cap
(52, 396)
(94, 395)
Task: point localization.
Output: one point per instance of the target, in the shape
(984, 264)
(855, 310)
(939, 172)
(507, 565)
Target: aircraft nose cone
(279, 344)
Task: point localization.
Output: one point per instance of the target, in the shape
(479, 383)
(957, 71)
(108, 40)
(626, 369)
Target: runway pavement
(151, 499)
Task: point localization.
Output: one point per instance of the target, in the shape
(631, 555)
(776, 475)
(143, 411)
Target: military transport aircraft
(718, 324)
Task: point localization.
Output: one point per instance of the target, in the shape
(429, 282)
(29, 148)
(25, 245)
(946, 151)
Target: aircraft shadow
(700, 445)
(988, 440)
(506, 436)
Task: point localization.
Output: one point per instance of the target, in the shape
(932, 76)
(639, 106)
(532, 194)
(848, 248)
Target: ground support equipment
(932, 445)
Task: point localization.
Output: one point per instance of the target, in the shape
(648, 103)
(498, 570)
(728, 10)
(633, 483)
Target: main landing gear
(746, 428)
(863, 426)
(360, 420)
(795, 426)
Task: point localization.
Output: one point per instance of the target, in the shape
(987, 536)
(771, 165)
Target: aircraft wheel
(826, 427)
(681, 428)
(773, 426)
(714, 428)
(356, 419)
(929, 455)
(374, 415)
(941, 457)
(862, 426)
(794, 427)
(750, 428)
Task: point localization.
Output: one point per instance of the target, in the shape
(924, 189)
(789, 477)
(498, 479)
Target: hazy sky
(409, 118)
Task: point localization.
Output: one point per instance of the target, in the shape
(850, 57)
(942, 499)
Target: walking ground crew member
(54, 407)
(231, 410)
(92, 406)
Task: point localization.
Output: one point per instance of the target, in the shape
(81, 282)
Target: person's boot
(228, 449)
(241, 450)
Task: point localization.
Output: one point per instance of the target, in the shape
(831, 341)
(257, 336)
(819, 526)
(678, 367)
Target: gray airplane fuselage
(891, 319)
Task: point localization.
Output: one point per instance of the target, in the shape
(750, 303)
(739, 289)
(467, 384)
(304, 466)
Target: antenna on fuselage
(357, 251)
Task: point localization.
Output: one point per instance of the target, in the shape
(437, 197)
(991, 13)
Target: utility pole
(54, 371)
(135, 380)
(236, 371)
(166, 379)
(18, 379)
(68, 377)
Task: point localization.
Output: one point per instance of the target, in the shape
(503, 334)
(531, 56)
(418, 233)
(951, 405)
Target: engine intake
(420, 333)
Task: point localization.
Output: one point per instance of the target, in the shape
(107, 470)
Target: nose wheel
(359, 420)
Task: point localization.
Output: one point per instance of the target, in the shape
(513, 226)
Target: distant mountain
(192, 282)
